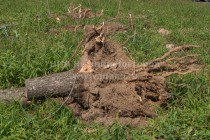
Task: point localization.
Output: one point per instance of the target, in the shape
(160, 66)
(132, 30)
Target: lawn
(27, 50)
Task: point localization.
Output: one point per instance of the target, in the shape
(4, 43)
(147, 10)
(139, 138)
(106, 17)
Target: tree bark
(13, 94)
(56, 85)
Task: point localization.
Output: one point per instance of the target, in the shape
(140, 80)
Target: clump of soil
(115, 88)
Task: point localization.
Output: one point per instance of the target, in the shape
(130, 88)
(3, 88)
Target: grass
(26, 51)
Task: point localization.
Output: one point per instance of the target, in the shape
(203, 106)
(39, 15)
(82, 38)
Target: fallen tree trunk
(14, 94)
(55, 85)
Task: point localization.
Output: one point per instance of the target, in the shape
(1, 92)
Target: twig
(159, 63)
(76, 27)
(171, 51)
(134, 68)
(85, 12)
(131, 21)
(178, 72)
(73, 55)
(178, 85)
(118, 11)
(80, 12)
(64, 100)
(48, 7)
(180, 58)
(134, 34)
(77, 7)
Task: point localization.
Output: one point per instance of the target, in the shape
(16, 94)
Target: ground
(27, 50)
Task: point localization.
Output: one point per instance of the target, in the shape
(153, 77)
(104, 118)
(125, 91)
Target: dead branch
(131, 22)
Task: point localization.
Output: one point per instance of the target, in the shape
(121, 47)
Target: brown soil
(115, 88)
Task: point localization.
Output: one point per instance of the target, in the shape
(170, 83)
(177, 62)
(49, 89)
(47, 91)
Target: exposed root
(115, 86)
(176, 65)
(179, 73)
(172, 51)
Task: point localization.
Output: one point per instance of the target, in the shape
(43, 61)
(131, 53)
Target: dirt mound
(115, 88)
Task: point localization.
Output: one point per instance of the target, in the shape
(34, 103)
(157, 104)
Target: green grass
(26, 51)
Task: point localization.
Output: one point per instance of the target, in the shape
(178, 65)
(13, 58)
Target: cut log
(56, 85)
(14, 94)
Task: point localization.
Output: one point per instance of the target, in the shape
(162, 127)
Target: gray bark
(13, 94)
(56, 85)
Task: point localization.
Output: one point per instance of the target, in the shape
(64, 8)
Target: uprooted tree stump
(106, 85)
